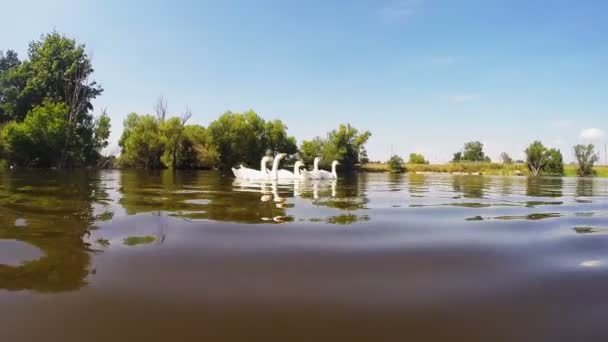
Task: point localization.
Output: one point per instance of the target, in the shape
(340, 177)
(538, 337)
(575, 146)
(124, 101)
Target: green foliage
(171, 135)
(246, 137)
(139, 240)
(149, 142)
(416, 158)
(278, 140)
(344, 144)
(585, 157)
(38, 140)
(395, 164)
(555, 164)
(544, 161)
(197, 150)
(141, 142)
(457, 157)
(55, 61)
(506, 158)
(473, 152)
(56, 71)
(310, 149)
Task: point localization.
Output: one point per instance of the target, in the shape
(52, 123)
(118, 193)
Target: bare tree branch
(161, 108)
(186, 116)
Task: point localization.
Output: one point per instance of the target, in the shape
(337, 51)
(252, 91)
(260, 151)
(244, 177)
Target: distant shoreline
(488, 169)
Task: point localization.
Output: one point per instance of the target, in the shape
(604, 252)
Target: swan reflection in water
(274, 191)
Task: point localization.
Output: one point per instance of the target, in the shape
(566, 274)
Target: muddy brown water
(180, 256)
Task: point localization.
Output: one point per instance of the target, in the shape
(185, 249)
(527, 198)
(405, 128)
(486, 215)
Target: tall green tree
(310, 149)
(57, 70)
(240, 138)
(473, 152)
(141, 142)
(344, 144)
(586, 158)
(544, 161)
(416, 158)
(278, 140)
(395, 164)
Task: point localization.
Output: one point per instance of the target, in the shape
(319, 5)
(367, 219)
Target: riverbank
(492, 169)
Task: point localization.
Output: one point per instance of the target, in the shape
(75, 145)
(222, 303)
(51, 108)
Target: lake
(177, 256)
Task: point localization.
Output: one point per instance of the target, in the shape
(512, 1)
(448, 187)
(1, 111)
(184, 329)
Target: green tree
(278, 140)
(473, 152)
(141, 142)
(38, 140)
(197, 149)
(7, 63)
(585, 157)
(310, 149)
(457, 157)
(57, 70)
(395, 164)
(555, 164)
(239, 138)
(416, 158)
(345, 144)
(542, 160)
(8, 60)
(506, 158)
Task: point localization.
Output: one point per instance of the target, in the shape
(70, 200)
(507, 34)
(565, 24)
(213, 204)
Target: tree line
(153, 141)
(540, 159)
(46, 120)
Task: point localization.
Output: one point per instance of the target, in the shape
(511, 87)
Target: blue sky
(421, 75)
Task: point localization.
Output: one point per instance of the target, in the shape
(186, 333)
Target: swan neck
(263, 167)
(316, 165)
(334, 172)
(275, 167)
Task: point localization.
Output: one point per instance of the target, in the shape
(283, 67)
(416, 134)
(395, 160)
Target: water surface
(139, 256)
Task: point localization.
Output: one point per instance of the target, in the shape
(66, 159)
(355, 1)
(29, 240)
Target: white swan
(322, 174)
(248, 173)
(286, 174)
(296, 174)
(330, 175)
(274, 173)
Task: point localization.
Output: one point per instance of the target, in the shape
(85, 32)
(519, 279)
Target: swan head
(298, 164)
(317, 160)
(280, 156)
(266, 159)
(335, 163)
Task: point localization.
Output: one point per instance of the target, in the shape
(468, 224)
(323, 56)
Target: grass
(138, 240)
(494, 169)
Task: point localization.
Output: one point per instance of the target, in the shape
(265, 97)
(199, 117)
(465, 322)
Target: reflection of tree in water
(584, 187)
(544, 187)
(417, 184)
(506, 185)
(346, 194)
(469, 186)
(57, 211)
(395, 181)
(196, 195)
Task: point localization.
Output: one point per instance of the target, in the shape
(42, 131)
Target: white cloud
(592, 134)
(461, 98)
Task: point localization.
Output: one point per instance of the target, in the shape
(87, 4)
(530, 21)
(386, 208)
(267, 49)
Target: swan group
(280, 174)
